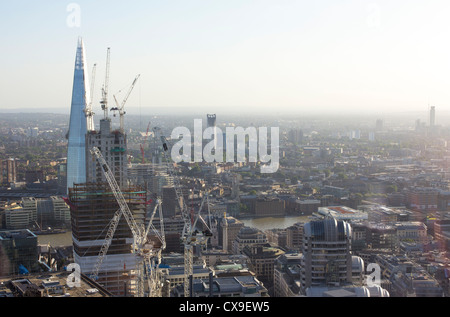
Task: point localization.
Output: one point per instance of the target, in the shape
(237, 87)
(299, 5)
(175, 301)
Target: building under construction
(93, 205)
(113, 145)
(92, 195)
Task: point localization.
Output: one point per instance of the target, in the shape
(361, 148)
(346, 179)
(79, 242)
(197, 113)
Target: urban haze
(95, 201)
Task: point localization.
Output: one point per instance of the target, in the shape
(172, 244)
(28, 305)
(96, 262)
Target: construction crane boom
(105, 247)
(121, 107)
(136, 230)
(144, 250)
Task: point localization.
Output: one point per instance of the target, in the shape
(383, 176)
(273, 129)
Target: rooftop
(53, 285)
(16, 234)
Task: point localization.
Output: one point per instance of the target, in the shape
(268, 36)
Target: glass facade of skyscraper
(76, 153)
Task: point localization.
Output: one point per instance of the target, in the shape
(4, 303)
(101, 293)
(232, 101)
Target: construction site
(118, 228)
(93, 205)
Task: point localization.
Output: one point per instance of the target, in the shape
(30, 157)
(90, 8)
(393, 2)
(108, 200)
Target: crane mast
(105, 90)
(88, 111)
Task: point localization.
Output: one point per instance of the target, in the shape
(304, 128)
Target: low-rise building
(407, 278)
(269, 206)
(384, 214)
(19, 214)
(294, 236)
(262, 259)
(18, 252)
(54, 284)
(347, 291)
(277, 237)
(287, 275)
(174, 275)
(342, 213)
(248, 236)
(412, 230)
(232, 286)
(442, 233)
(61, 210)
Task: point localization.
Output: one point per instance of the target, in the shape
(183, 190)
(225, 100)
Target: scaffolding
(92, 206)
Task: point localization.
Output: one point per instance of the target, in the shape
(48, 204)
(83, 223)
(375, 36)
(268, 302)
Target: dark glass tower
(76, 153)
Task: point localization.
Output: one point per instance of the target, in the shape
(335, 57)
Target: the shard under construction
(76, 152)
(91, 200)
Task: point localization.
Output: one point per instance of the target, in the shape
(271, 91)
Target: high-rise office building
(211, 120)
(326, 260)
(295, 136)
(76, 153)
(151, 176)
(432, 116)
(113, 146)
(8, 171)
(379, 125)
(171, 206)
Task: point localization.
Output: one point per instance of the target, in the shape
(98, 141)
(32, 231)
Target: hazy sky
(292, 55)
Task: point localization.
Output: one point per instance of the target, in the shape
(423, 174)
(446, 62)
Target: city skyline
(283, 56)
(271, 148)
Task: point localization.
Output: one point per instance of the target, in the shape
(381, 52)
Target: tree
(391, 189)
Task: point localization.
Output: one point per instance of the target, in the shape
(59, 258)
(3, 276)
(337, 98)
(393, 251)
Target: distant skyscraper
(433, 116)
(211, 123)
(379, 125)
(211, 120)
(76, 153)
(295, 136)
(8, 171)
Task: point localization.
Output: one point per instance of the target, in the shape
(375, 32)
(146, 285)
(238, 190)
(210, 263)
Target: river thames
(65, 239)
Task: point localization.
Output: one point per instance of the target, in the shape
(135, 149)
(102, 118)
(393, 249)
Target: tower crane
(190, 237)
(121, 107)
(147, 255)
(105, 90)
(88, 110)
